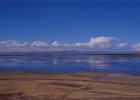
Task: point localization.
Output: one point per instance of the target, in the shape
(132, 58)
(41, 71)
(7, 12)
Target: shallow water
(70, 63)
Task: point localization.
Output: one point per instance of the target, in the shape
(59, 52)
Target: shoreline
(69, 86)
(135, 54)
(47, 72)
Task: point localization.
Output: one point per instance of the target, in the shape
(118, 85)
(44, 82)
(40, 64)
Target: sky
(69, 25)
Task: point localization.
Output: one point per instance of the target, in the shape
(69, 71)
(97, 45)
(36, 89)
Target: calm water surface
(71, 63)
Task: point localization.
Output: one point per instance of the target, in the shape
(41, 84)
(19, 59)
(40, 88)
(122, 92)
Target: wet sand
(69, 86)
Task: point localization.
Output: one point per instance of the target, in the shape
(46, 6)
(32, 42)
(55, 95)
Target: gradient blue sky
(69, 21)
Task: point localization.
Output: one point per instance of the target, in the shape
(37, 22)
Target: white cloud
(137, 47)
(122, 44)
(39, 44)
(80, 44)
(13, 43)
(55, 43)
(95, 43)
(101, 42)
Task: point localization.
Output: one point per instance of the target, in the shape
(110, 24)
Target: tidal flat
(16, 85)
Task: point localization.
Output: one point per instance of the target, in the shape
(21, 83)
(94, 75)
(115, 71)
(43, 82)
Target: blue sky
(70, 21)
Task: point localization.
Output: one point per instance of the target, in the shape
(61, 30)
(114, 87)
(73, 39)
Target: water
(71, 63)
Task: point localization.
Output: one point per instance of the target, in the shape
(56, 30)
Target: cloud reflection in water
(70, 63)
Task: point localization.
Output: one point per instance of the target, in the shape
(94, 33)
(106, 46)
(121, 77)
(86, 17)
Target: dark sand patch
(67, 85)
(63, 86)
(86, 88)
(116, 98)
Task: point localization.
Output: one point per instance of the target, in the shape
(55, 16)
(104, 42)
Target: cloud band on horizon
(101, 43)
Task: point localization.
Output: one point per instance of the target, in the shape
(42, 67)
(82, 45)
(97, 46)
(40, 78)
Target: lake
(70, 63)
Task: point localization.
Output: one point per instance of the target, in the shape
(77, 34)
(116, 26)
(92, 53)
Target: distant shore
(72, 52)
(15, 85)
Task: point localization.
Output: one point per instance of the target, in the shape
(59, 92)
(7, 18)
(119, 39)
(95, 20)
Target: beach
(70, 50)
(17, 85)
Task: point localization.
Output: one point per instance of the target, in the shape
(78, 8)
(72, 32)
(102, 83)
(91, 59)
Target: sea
(70, 63)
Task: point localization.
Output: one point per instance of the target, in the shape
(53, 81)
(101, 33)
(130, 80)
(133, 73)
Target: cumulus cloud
(39, 44)
(95, 43)
(122, 44)
(137, 47)
(101, 42)
(55, 43)
(13, 43)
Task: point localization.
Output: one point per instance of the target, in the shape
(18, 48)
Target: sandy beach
(69, 86)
